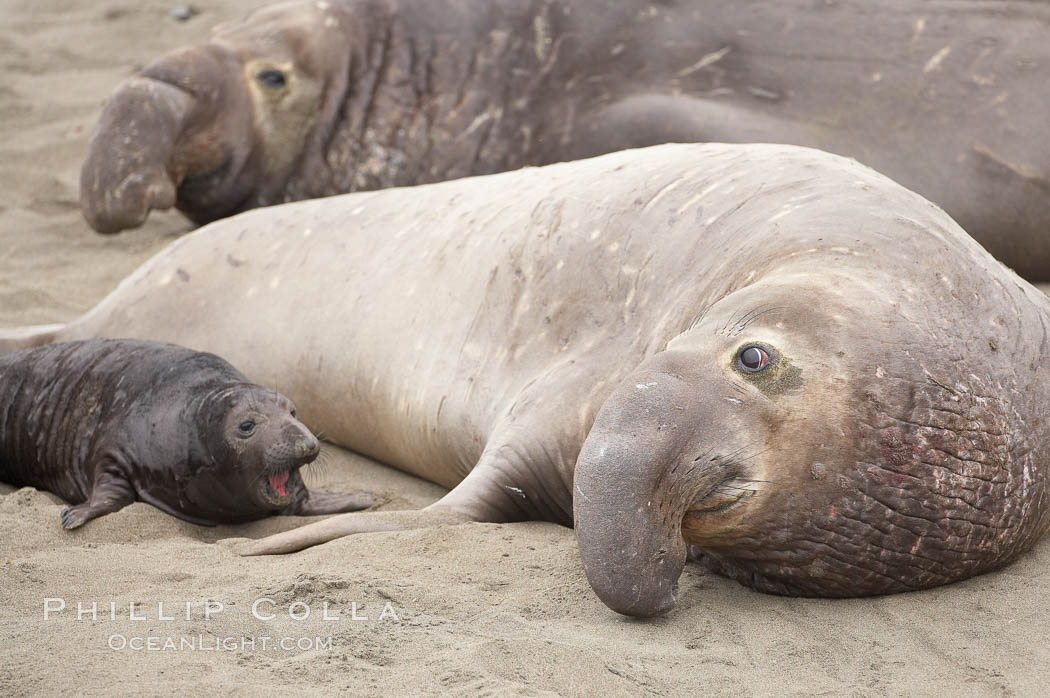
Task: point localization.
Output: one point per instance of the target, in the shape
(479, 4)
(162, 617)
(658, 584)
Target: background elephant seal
(308, 99)
(103, 423)
(771, 353)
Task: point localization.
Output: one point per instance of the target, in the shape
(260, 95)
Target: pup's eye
(753, 359)
(247, 426)
(293, 412)
(274, 79)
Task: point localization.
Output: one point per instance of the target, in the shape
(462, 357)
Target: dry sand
(480, 609)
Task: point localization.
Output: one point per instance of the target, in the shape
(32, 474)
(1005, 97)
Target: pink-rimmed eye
(753, 358)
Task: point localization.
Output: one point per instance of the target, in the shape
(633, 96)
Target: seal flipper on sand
(506, 485)
(110, 492)
(524, 472)
(318, 503)
(476, 499)
(348, 524)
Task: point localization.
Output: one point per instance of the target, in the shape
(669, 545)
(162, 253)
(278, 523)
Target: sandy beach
(168, 607)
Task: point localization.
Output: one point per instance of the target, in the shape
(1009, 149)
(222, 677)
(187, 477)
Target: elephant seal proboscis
(307, 99)
(771, 353)
(103, 423)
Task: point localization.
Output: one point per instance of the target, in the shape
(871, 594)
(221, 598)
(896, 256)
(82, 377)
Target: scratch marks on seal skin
(671, 186)
(541, 26)
(705, 61)
(700, 195)
(664, 191)
(492, 113)
(920, 27)
(1025, 171)
(763, 93)
(935, 61)
(545, 46)
(940, 384)
(785, 210)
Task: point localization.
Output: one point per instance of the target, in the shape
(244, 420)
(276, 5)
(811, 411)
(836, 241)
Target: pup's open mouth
(278, 482)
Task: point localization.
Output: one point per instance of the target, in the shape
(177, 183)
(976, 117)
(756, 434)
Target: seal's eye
(753, 359)
(246, 427)
(274, 79)
(293, 413)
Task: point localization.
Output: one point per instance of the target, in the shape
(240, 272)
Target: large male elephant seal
(103, 423)
(308, 99)
(771, 353)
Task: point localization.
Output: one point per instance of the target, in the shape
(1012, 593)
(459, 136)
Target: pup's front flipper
(110, 492)
(317, 502)
(349, 524)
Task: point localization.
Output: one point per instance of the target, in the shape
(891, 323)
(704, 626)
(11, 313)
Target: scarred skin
(104, 423)
(565, 344)
(950, 99)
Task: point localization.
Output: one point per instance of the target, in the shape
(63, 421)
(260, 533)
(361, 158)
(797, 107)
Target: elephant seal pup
(308, 99)
(103, 423)
(771, 353)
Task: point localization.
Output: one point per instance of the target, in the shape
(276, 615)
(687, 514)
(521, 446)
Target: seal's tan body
(484, 331)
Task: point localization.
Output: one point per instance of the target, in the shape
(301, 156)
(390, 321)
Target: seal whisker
(755, 455)
(698, 318)
(703, 455)
(725, 327)
(319, 469)
(727, 486)
(754, 315)
(744, 320)
(733, 456)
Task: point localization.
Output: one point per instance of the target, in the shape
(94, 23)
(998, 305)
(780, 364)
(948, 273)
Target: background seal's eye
(753, 359)
(246, 427)
(274, 79)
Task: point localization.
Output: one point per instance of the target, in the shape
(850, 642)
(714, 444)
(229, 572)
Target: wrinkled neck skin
(839, 470)
(176, 464)
(409, 92)
(426, 99)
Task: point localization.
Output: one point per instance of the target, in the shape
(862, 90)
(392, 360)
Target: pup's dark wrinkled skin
(319, 97)
(104, 423)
